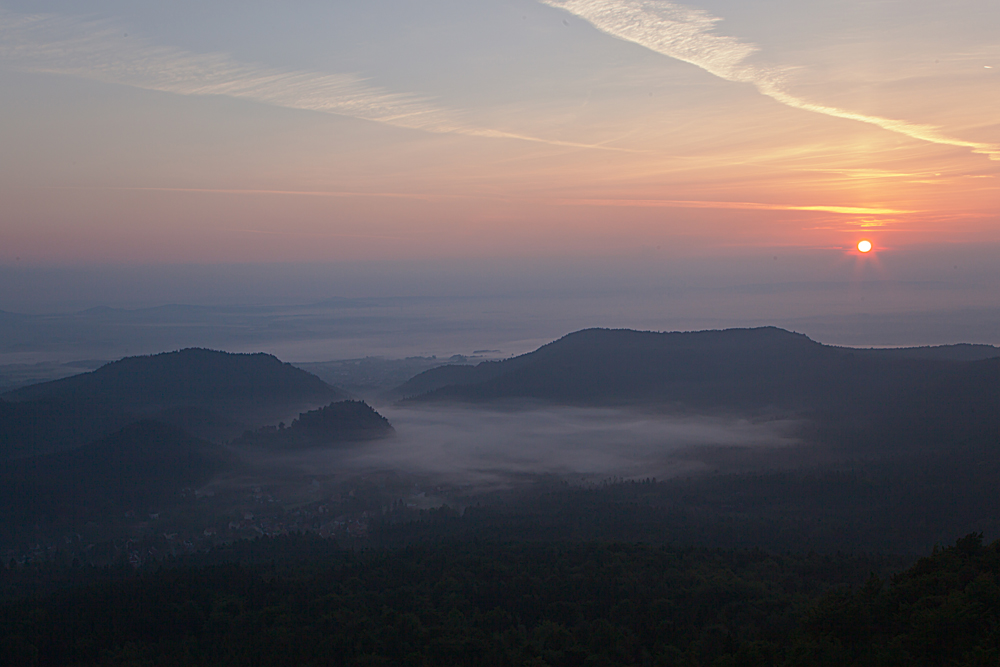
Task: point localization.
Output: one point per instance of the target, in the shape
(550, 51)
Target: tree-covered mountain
(335, 424)
(210, 394)
(135, 469)
(736, 368)
(447, 376)
(764, 371)
(225, 381)
(45, 425)
(131, 435)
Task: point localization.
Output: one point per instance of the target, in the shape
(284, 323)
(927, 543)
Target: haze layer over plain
(497, 308)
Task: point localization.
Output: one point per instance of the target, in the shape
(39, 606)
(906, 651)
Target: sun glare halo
(865, 246)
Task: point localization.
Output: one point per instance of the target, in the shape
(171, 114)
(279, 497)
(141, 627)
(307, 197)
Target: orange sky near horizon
(562, 130)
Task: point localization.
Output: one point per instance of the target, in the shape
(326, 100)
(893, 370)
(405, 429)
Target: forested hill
(136, 468)
(337, 423)
(210, 394)
(608, 364)
(43, 426)
(192, 376)
(764, 369)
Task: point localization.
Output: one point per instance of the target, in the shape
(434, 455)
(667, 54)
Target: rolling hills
(131, 436)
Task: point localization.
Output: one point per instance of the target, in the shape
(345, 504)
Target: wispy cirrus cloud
(333, 194)
(98, 50)
(687, 34)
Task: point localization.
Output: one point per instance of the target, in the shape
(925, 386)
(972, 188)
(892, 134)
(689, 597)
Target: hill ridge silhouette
(209, 393)
(200, 372)
(754, 372)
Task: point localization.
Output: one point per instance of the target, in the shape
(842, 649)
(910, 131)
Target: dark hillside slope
(335, 424)
(444, 376)
(194, 376)
(615, 365)
(210, 394)
(748, 371)
(41, 427)
(737, 368)
(133, 469)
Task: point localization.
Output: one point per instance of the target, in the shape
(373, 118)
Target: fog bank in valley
(496, 448)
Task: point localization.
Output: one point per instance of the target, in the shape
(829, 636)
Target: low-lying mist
(484, 449)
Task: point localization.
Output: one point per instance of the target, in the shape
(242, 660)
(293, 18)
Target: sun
(865, 246)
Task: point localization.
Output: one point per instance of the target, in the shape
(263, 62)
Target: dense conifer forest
(299, 600)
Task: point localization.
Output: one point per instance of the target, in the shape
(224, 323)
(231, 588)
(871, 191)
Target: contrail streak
(686, 34)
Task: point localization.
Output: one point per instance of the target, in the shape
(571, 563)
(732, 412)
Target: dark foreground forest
(299, 600)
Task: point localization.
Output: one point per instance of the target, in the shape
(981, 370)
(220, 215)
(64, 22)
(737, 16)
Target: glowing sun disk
(865, 246)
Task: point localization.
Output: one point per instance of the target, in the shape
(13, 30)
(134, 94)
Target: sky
(713, 133)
